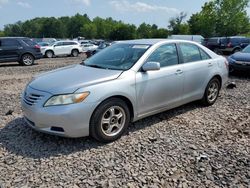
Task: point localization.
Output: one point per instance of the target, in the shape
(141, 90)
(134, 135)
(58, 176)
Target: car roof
(14, 38)
(152, 41)
(67, 41)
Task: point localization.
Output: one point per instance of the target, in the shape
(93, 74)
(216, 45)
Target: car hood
(71, 78)
(239, 56)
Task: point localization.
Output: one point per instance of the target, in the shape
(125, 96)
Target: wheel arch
(75, 49)
(219, 78)
(123, 98)
(29, 53)
(49, 50)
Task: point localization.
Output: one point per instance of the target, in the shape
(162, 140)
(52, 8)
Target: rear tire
(109, 120)
(74, 53)
(27, 60)
(211, 93)
(218, 51)
(49, 54)
(236, 50)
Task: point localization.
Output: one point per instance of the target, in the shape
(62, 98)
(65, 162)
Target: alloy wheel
(213, 91)
(113, 121)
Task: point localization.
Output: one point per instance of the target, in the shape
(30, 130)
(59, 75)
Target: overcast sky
(130, 11)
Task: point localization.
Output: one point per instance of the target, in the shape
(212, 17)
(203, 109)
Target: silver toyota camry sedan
(123, 83)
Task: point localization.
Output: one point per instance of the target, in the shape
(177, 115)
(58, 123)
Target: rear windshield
(29, 42)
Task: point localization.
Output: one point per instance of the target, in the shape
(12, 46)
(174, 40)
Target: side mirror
(151, 66)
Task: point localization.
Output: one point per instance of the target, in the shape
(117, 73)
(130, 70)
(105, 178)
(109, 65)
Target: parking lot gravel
(190, 146)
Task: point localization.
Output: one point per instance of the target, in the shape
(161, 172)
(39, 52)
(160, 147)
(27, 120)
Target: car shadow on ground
(240, 75)
(16, 137)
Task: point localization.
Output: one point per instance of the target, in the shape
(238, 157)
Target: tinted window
(9, 42)
(190, 53)
(59, 44)
(166, 55)
(29, 42)
(204, 55)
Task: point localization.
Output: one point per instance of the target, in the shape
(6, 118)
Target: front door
(162, 89)
(59, 48)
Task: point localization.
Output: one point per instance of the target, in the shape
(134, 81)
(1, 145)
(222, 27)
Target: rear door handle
(19, 48)
(179, 72)
(1, 49)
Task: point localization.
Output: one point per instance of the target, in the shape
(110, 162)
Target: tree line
(216, 18)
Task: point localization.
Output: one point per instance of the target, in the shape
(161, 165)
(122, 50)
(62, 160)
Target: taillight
(226, 64)
(37, 46)
(229, 44)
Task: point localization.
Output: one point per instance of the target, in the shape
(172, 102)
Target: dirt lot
(191, 146)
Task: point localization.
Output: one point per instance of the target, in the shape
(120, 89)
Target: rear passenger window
(29, 42)
(190, 53)
(204, 55)
(166, 55)
(9, 42)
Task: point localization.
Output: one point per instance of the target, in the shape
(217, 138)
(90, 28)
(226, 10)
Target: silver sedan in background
(123, 83)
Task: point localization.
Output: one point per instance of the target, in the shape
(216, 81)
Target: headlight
(66, 99)
(231, 60)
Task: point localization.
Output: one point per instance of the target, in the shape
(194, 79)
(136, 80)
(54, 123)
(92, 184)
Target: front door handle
(179, 72)
(19, 48)
(1, 49)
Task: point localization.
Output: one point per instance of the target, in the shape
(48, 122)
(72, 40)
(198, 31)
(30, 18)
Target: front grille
(32, 98)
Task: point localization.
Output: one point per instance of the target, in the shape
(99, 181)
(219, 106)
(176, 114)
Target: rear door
(10, 49)
(197, 68)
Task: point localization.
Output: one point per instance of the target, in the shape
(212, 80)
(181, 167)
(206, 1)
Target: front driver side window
(166, 55)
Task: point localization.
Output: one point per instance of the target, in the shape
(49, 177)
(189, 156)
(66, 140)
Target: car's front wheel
(49, 54)
(109, 120)
(27, 60)
(212, 92)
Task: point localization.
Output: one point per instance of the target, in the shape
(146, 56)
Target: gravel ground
(190, 146)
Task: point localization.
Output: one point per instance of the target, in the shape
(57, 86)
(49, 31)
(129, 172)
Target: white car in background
(61, 48)
(89, 47)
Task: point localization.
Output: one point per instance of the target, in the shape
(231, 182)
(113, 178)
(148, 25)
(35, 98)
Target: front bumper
(238, 67)
(67, 120)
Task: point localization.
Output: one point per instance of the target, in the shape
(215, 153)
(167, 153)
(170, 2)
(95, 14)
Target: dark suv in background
(229, 45)
(20, 49)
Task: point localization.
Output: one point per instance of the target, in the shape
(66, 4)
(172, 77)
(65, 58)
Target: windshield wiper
(95, 66)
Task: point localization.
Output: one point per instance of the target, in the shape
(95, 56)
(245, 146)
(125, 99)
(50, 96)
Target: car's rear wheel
(109, 120)
(74, 53)
(27, 60)
(237, 50)
(218, 51)
(212, 92)
(49, 54)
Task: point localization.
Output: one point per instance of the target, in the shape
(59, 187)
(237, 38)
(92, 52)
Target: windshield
(246, 50)
(51, 44)
(117, 57)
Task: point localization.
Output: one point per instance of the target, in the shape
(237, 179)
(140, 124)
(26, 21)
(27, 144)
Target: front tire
(49, 54)
(109, 120)
(211, 93)
(27, 60)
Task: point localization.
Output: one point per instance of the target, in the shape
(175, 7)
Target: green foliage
(217, 18)
(81, 25)
(177, 25)
(2, 34)
(221, 18)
